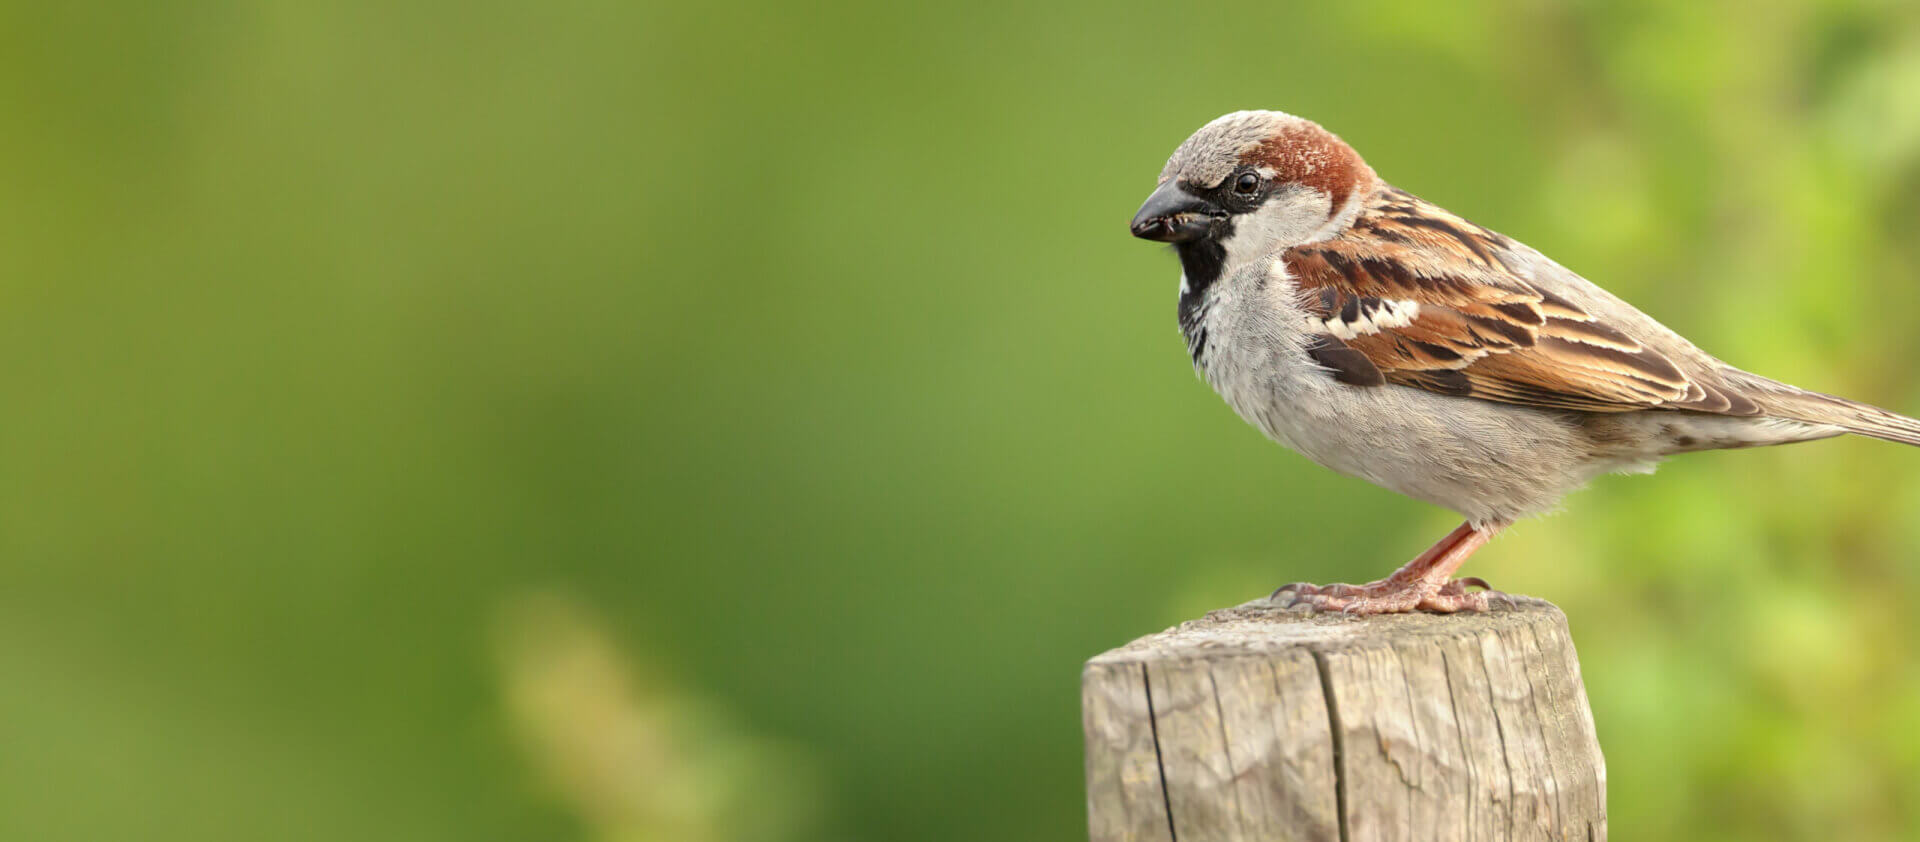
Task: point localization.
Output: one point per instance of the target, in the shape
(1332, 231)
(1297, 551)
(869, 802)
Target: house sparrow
(1390, 340)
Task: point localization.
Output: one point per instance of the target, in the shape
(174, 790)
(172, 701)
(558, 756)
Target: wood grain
(1254, 723)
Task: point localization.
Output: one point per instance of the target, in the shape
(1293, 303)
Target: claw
(1291, 587)
(1507, 599)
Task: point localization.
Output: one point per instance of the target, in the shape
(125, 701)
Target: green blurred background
(737, 421)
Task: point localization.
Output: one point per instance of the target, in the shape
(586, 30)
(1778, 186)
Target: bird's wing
(1413, 295)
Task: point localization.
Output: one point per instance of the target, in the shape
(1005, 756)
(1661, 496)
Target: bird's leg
(1422, 584)
(1408, 572)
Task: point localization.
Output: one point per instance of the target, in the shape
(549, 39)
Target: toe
(1399, 602)
(1446, 602)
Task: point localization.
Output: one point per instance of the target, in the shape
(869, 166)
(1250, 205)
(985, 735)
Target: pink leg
(1409, 572)
(1424, 583)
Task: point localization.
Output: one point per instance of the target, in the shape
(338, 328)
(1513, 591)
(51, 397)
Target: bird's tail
(1852, 416)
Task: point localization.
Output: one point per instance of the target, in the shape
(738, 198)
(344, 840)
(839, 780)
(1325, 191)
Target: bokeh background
(736, 422)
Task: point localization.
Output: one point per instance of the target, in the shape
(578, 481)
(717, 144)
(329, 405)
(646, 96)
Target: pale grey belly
(1490, 462)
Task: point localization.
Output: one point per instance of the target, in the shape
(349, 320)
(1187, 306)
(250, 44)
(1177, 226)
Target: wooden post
(1259, 724)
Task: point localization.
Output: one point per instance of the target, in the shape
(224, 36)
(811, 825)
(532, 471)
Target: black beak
(1172, 215)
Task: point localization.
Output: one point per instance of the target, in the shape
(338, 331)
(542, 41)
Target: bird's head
(1250, 184)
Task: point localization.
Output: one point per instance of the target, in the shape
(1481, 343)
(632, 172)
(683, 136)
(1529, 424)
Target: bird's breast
(1248, 340)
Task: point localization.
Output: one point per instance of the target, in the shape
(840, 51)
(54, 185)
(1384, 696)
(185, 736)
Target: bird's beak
(1172, 215)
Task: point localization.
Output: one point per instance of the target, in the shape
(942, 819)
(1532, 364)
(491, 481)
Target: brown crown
(1301, 152)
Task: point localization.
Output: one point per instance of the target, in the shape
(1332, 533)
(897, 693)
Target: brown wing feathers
(1424, 298)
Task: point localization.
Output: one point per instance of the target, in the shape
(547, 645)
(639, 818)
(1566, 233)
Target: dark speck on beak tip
(1173, 228)
(1145, 228)
(1172, 215)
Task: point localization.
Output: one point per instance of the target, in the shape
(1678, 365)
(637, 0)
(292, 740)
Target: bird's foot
(1391, 596)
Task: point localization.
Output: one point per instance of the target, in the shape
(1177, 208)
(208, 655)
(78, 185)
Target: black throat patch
(1202, 260)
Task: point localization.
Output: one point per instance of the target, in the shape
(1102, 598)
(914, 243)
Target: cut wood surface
(1254, 723)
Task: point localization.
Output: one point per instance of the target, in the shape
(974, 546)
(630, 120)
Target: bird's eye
(1246, 184)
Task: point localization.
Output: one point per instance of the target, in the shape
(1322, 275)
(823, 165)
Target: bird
(1391, 340)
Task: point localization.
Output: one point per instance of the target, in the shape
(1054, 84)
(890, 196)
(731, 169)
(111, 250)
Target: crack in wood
(1339, 742)
(1159, 758)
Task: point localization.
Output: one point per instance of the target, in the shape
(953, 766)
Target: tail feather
(1852, 416)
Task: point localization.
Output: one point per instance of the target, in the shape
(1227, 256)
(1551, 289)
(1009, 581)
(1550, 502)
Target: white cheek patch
(1288, 219)
(1368, 316)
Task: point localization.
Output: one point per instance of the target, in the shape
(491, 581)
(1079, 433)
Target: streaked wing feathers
(1431, 301)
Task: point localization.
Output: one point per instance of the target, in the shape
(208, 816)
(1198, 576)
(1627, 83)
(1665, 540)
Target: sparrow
(1388, 339)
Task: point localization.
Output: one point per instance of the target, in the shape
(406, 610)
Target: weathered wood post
(1253, 723)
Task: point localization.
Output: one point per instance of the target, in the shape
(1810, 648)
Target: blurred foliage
(637, 760)
(805, 345)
